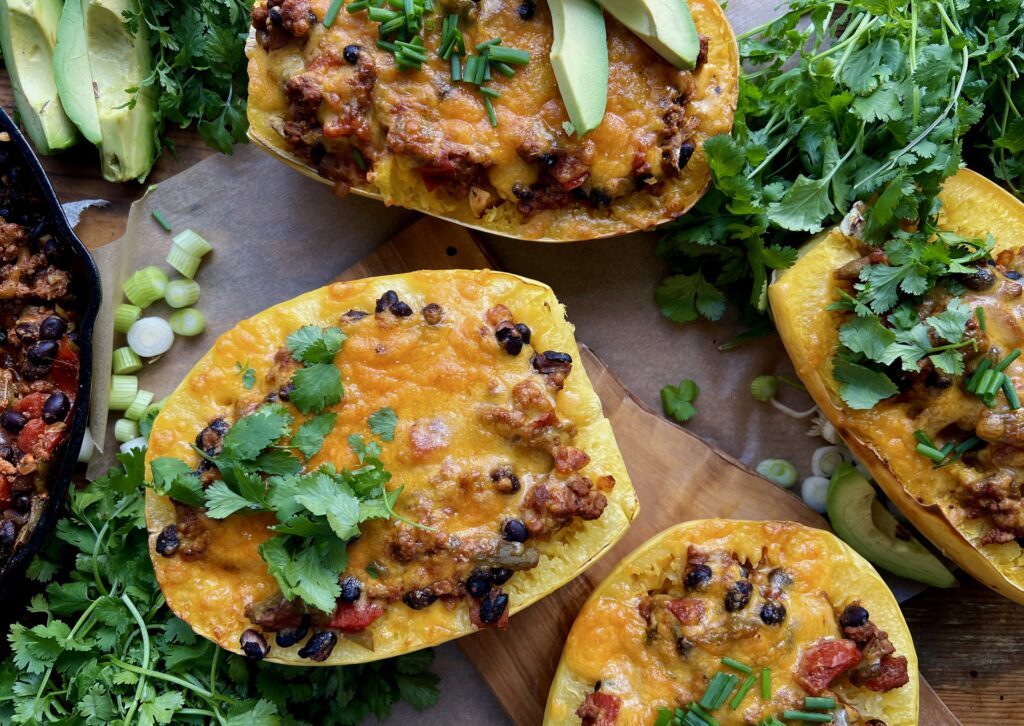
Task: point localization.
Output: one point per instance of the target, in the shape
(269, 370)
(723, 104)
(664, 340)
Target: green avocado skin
(28, 34)
(665, 25)
(865, 524)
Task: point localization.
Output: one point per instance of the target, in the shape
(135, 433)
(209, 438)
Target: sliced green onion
(126, 361)
(979, 312)
(501, 54)
(706, 719)
(819, 703)
(923, 438)
(742, 693)
(990, 388)
(967, 445)
(805, 716)
(182, 293)
(125, 430)
(470, 73)
(731, 684)
(1011, 394)
(187, 322)
(184, 262)
(1005, 362)
(332, 12)
(150, 337)
(489, 92)
(490, 111)
(87, 449)
(766, 684)
(975, 379)
(737, 665)
(826, 459)
(358, 156)
(779, 471)
(161, 220)
(123, 390)
(145, 286)
(192, 243)
(764, 388)
(814, 492)
(139, 405)
(487, 43)
(125, 316)
(715, 687)
(503, 68)
(931, 452)
(140, 443)
(456, 68)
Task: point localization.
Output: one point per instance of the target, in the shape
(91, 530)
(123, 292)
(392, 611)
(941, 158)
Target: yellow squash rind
(973, 207)
(212, 600)
(596, 647)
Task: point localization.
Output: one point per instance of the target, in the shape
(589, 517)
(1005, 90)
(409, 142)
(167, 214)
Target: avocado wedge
(579, 57)
(867, 526)
(665, 25)
(119, 61)
(28, 34)
(72, 72)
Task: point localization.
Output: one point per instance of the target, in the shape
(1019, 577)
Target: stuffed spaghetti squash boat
(735, 622)
(382, 465)
(336, 104)
(949, 453)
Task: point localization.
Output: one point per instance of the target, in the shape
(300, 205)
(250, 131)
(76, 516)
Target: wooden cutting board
(677, 477)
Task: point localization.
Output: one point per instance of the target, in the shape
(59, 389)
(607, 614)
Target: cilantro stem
(199, 690)
(144, 632)
(778, 148)
(399, 517)
(99, 538)
(213, 671)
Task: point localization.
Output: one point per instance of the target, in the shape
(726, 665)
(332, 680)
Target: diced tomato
(5, 492)
(31, 405)
(892, 674)
(823, 662)
(599, 709)
(435, 176)
(353, 617)
(687, 610)
(65, 369)
(38, 439)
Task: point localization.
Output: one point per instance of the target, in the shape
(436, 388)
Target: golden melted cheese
(609, 642)
(437, 379)
(883, 437)
(425, 105)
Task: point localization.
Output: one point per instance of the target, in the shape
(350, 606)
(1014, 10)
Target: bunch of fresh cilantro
(861, 101)
(101, 646)
(199, 65)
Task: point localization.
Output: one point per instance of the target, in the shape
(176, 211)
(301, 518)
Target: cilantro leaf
(383, 422)
(313, 344)
(250, 435)
(222, 502)
(678, 400)
(911, 346)
(860, 387)
(683, 297)
(309, 439)
(248, 375)
(316, 387)
(174, 478)
(867, 336)
(804, 207)
(951, 323)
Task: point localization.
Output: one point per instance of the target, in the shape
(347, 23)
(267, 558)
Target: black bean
(515, 531)
(522, 192)
(433, 314)
(699, 577)
(6, 453)
(254, 645)
(685, 152)
(548, 161)
(386, 300)
(317, 153)
(23, 502)
(351, 54)
(853, 616)
(779, 579)
(1013, 274)
(275, 15)
(509, 338)
(551, 361)
(524, 332)
(52, 250)
(501, 575)
(981, 279)
(353, 315)
(52, 328)
(493, 606)
(73, 337)
(167, 542)
(419, 599)
(507, 480)
(13, 421)
(599, 198)
(286, 391)
(42, 352)
(3, 336)
(478, 583)
(351, 589)
(290, 636)
(527, 9)
(400, 309)
(773, 613)
(319, 647)
(738, 596)
(56, 407)
(8, 532)
(683, 645)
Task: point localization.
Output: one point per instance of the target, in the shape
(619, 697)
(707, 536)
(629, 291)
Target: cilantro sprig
(100, 645)
(317, 385)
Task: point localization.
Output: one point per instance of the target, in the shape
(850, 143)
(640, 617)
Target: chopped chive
(692, 718)
(490, 92)
(930, 452)
(711, 693)
(383, 15)
(487, 43)
(1005, 362)
(490, 112)
(385, 45)
(503, 68)
(979, 312)
(357, 5)
(332, 12)
(456, 68)
(360, 161)
(744, 690)
(972, 384)
(766, 683)
(737, 665)
(481, 70)
(805, 716)
(984, 382)
(968, 445)
(993, 386)
(819, 703)
(705, 717)
(501, 54)
(390, 26)
(1011, 394)
(161, 220)
(923, 438)
(730, 684)
(470, 73)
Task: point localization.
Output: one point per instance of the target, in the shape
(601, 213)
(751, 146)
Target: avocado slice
(73, 74)
(865, 524)
(28, 33)
(120, 61)
(579, 57)
(665, 25)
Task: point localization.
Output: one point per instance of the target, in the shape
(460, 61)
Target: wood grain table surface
(970, 641)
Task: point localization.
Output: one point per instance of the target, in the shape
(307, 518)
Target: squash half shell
(424, 373)
(883, 437)
(396, 181)
(607, 640)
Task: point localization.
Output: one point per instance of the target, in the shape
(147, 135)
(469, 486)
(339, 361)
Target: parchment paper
(277, 234)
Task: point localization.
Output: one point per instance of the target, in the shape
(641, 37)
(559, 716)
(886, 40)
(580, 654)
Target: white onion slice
(826, 459)
(150, 337)
(140, 443)
(814, 492)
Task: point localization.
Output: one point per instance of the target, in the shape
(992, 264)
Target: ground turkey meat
(275, 613)
(599, 709)
(553, 503)
(191, 531)
(280, 21)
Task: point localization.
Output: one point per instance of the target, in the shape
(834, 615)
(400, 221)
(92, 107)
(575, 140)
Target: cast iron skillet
(86, 285)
